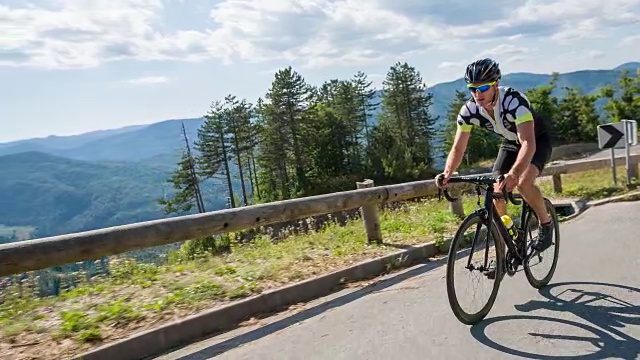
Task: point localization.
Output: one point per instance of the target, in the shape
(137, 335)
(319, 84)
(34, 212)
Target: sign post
(618, 136)
(631, 138)
(612, 136)
(613, 167)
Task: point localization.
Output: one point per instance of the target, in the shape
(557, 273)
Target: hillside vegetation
(60, 195)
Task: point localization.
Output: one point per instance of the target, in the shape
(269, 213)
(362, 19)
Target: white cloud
(85, 33)
(148, 80)
(595, 54)
(504, 50)
(313, 33)
(632, 40)
(451, 64)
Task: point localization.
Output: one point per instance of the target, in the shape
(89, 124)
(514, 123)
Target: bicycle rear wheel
(474, 246)
(553, 250)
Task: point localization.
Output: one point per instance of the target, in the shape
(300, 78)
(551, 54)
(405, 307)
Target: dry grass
(141, 296)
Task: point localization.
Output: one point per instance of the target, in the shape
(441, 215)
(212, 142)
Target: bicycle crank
(512, 263)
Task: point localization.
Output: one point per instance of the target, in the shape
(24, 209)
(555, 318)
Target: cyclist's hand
(509, 182)
(442, 179)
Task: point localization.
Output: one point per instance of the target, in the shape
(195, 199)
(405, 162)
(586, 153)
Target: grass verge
(593, 184)
(138, 296)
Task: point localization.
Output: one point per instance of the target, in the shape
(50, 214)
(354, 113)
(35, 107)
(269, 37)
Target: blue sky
(71, 66)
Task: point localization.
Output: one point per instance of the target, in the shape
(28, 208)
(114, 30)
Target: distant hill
(129, 144)
(60, 195)
(54, 142)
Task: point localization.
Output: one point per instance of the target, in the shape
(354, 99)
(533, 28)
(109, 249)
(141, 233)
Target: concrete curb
(182, 332)
(580, 206)
(632, 196)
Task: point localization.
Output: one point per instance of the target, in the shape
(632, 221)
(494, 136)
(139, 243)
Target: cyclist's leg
(532, 194)
(505, 159)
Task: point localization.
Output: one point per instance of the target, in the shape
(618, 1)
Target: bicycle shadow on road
(603, 315)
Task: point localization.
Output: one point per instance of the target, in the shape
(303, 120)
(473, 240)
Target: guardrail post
(633, 168)
(370, 216)
(456, 207)
(557, 183)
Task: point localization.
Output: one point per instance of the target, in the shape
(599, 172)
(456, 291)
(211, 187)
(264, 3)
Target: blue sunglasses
(482, 88)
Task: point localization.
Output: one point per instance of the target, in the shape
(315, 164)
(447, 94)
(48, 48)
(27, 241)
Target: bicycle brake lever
(508, 195)
(449, 197)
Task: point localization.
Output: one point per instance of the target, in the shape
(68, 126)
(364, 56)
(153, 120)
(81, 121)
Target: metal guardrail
(42, 253)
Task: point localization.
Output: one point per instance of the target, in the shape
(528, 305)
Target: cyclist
(526, 147)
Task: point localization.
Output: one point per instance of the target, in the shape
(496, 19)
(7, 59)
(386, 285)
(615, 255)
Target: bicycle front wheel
(462, 251)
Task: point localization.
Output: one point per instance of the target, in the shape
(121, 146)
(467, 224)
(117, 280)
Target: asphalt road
(591, 310)
(606, 154)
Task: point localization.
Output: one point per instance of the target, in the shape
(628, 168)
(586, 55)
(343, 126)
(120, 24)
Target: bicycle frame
(489, 213)
(490, 208)
(519, 251)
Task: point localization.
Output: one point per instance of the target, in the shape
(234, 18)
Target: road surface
(606, 154)
(590, 311)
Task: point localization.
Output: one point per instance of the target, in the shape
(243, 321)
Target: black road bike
(519, 252)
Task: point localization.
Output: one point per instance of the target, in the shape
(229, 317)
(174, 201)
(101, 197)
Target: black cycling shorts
(508, 154)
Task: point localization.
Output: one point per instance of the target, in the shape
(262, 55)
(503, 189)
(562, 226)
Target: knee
(527, 180)
(525, 184)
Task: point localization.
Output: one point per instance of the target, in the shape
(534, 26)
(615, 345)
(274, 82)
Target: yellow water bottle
(508, 223)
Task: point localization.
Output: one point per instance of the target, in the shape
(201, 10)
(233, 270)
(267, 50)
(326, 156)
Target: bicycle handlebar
(478, 180)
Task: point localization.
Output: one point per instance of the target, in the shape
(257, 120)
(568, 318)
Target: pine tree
(345, 106)
(627, 104)
(327, 150)
(213, 146)
(579, 117)
(238, 126)
(365, 96)
(286, 132)
(589, 117)
(405, 117)
(186, 183)
(272, 158)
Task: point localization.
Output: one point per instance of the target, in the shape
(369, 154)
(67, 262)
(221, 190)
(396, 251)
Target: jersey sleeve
(519, 108)
(464, 119)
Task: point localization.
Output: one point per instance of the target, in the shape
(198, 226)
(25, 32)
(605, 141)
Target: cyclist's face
(483, 93)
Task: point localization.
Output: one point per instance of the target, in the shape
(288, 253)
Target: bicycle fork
(485, 266)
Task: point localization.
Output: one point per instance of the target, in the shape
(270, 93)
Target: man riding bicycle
(526, 147)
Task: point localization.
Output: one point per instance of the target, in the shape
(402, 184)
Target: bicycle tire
(539, 284)
(460, 314)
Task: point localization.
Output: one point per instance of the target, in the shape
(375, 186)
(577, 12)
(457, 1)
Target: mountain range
(153, 142)
(112, 177)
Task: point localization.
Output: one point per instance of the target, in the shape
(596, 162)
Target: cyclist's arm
(526, 136)
(460, 141)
